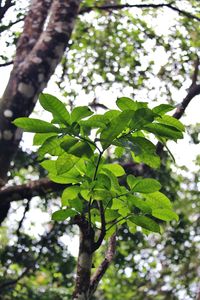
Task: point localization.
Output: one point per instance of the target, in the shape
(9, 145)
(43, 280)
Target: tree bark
(84, 264)
(39, 50)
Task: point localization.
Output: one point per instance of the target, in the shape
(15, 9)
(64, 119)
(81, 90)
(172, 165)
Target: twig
(104, 265)
(98, 243)
(6, 64)
(150, 5)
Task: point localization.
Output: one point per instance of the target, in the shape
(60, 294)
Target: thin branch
(104, 265)
(26, 209)
(6, 64)
(103, 227)
(150, 5)
(3, 9)
(193, 91)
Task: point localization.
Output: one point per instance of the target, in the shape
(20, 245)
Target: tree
(24, 69)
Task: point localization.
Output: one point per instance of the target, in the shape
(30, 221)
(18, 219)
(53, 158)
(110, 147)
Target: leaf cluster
(72, 148)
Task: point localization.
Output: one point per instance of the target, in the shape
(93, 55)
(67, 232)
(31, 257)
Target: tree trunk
(84, 264)
(39, 50)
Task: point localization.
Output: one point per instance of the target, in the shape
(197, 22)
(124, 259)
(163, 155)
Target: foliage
(76, 158)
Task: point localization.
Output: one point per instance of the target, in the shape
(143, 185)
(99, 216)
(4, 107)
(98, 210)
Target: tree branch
(150, 5)
(28, 190)
(3, 9)
(6, 64)
(193, 91)
(98, 243)
(104, 265)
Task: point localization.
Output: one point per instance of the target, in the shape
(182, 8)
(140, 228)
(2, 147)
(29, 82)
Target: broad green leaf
(65, 162)
(101, 194)
(111, 114)
(117, 203)
(49, 165)
(124, 211)
(40, 138)
(115, 127)
(115, 187)
(141, 117)
(51, 146)
(70, 193)
(132, 181)
(68, 143)
(116, 169)
(63, 179)
(35, 125)
(158, 200)
(164, 131)
(125, 103)
(55, 106)
(165, 214)
(131, 227)
(103, 181)
(77, 204)
(145, 222)
(162, 109)
(139, 203)
(170, 121)
(143, 150)
(97, 121)
(79, 113)
(81, 149)
(63, 214)
(72, 176)
(147, 185)
(111, 215)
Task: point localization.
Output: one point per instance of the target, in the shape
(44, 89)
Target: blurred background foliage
(147, 54)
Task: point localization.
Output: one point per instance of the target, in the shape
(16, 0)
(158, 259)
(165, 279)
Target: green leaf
(101, 194)
(116, 126)
(103, 181)
(55, 106)
(63, 214)
(117, 204)
(141, 117)
(145, 222)
(125, 103)
(139, 203)
(142, 150)
(162, 109)
(147, 185)
(65, 162)
(158, 200)
(170, 121)
(40, 138)
(51, 146)
(116, 169)
(164, 131)
(79, 113)
(68, 143)
(81, 149)
(35, 125)
(165, 214)
(77, 204)
(49, 165)
(64, 179)
(70, 193)
(97, 121)
(132, 181)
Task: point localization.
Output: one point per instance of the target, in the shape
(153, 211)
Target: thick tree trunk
(39, 50)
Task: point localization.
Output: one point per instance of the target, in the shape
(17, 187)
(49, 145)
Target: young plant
(73, 151)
